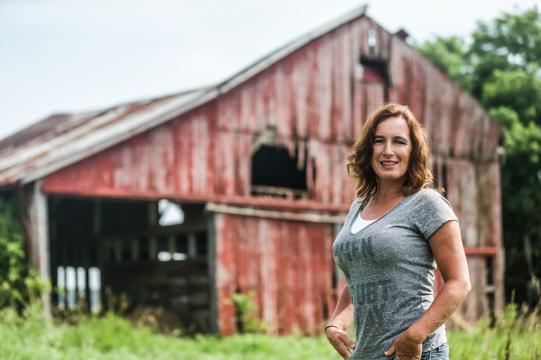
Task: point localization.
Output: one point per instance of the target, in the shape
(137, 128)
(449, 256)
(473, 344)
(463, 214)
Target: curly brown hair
(358, 166)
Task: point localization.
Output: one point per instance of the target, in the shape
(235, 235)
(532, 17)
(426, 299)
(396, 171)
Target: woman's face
(391, 149)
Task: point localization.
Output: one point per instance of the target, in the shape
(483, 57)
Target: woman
(395, 233)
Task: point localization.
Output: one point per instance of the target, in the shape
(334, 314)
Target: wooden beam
(39, 240)
(272, 214)
(484, 251)
(212, 272)
(234, 200)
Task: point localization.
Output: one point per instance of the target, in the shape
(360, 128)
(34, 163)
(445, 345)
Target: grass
(111, 337)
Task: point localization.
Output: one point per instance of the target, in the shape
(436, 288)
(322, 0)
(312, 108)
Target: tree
(501, 66)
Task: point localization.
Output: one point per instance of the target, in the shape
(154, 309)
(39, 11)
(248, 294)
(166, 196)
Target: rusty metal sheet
(73, 140)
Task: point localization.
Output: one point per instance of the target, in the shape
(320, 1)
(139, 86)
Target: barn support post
(211, 260)
(39, 240)
(96, 233)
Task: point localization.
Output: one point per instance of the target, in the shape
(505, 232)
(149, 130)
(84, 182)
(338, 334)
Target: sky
(59, 56)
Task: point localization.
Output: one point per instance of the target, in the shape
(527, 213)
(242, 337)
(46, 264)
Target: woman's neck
(389, 191)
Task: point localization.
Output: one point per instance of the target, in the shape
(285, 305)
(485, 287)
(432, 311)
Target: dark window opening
(126, 252)
(444, 179)
(182, 243)
(439, 173)
(201, 243)
(144, 252)
(374, 70)
(275, 172)
(490, 290)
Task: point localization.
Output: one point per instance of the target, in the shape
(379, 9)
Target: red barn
(253, 172)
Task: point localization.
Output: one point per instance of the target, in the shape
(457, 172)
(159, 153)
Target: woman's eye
(378, 141)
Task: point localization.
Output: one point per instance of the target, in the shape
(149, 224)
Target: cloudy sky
(73, 55)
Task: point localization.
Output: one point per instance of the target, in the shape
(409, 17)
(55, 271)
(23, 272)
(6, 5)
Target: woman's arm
(448, 251)
(340, 320)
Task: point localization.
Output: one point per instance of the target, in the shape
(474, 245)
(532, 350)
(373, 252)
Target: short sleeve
(433, 210)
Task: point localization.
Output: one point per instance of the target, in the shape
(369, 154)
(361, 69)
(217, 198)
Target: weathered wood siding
(288, 264)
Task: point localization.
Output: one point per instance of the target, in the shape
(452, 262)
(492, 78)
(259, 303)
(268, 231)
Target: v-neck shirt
(360, 224)
(389, 269)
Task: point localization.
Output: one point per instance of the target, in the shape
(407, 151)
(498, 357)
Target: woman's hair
(359, 165)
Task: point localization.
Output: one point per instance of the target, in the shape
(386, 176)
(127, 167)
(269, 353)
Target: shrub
(19, 284)
(247, 313)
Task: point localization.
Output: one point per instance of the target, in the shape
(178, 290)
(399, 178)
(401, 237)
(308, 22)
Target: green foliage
(247, 311)
(511, 41)
(18, 284)
(501, 66)
(449, 54)
(516, 89)
(517, 332)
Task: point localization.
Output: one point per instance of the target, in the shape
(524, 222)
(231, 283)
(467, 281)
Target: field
(112, 337)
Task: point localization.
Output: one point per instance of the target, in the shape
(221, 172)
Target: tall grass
(112, 337)
(516, 335)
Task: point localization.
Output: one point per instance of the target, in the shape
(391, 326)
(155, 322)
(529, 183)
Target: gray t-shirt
(389, 270)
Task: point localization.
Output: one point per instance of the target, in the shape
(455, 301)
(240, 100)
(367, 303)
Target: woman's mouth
(388, 164)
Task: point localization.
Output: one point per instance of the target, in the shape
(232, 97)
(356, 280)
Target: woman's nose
(387, 148)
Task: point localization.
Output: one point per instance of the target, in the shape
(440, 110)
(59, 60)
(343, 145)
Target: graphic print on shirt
(370, 299)
(355, 250)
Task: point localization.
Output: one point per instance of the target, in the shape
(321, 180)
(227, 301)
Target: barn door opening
(152, 253)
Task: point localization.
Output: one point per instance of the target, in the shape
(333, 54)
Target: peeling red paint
(287, 264)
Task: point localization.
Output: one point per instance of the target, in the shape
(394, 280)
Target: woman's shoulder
(430, 196)
(429, 192)
(358, 201)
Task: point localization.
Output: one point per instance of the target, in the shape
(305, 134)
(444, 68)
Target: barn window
(372, 39)
(276, 172)
(374, 70)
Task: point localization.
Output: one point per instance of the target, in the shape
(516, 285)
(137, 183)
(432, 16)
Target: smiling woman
(392, 148)
(395, 234)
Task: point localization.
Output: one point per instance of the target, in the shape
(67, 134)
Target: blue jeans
(439, 353)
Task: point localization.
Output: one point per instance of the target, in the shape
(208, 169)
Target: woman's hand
(340, 340)
(405, 348)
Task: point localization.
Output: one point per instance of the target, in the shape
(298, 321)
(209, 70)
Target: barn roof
(63, 139)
